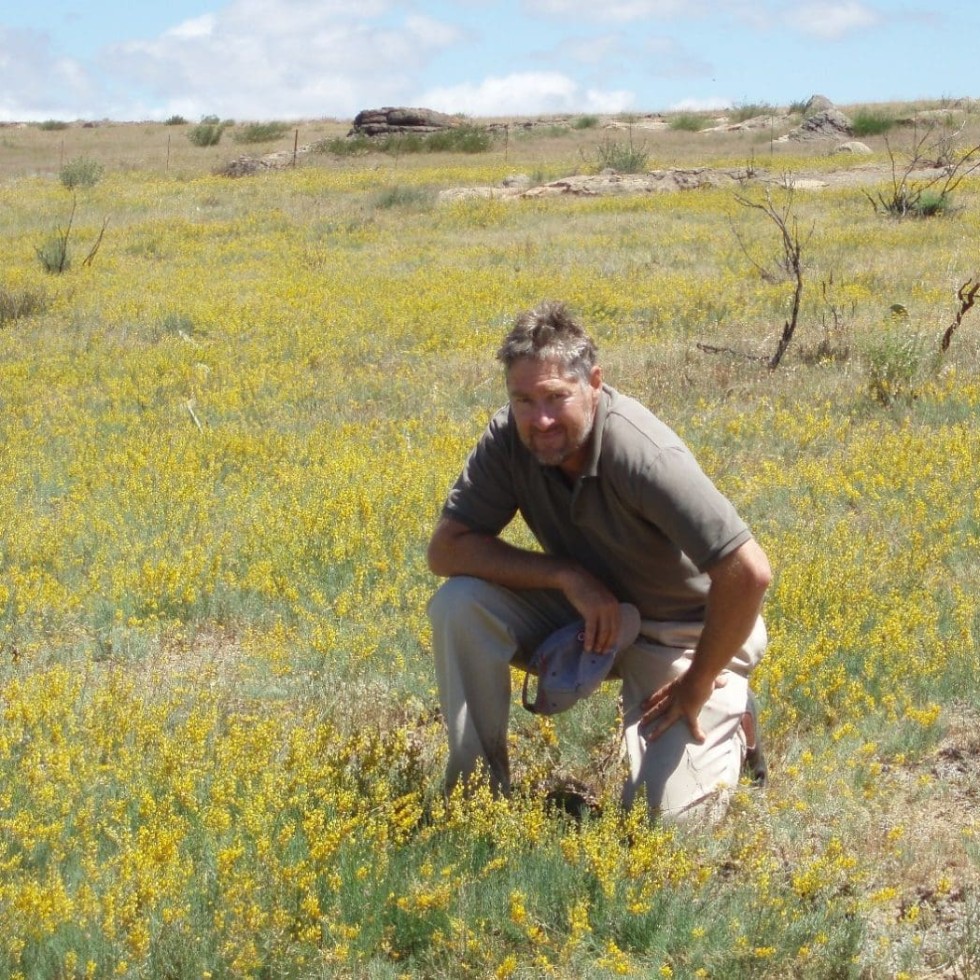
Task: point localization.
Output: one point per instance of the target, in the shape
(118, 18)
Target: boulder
(815, 104)
(381, 122)
(823, 125)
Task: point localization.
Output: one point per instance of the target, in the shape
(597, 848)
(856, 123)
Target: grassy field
(226, 429)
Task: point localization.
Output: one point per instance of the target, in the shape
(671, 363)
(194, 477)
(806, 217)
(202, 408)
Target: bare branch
(98, 241)
(966, 294)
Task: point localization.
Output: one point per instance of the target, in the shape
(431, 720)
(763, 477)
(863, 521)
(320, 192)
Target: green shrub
(81, 172)
(207, 132)
(624, 158)
(346, 146)
(871, 122)
(52, 124)
(896, 362)
(53, 254)
(261, 132)
(910, 200)
(405, 197)
(932, 204)
(586, 122)
(175, 121)
(20, 303)
(750, 110)
(687, 122)
(459, 139)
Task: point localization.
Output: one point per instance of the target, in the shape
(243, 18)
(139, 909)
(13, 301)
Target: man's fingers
(663, 708)
(602, 631)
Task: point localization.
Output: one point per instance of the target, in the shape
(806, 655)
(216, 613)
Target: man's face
(554, 411)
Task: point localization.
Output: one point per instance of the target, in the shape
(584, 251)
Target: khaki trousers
(479, 629)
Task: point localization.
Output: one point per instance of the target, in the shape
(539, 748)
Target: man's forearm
(738, 586)
(487, 557)
(457, 550)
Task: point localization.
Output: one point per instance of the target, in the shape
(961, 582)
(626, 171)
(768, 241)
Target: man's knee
(456, 598)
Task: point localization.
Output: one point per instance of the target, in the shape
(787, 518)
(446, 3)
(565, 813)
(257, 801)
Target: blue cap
(565, 672)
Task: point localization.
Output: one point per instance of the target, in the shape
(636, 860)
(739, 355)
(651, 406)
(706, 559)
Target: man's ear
(595, 377)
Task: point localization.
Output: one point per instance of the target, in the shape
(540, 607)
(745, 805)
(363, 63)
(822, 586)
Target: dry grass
(553, 143)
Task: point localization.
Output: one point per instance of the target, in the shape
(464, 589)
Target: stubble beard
(574, 442)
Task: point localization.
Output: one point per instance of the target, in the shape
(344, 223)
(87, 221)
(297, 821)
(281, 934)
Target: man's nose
(542, 417)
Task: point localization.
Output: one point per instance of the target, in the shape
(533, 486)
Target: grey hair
(549, 332)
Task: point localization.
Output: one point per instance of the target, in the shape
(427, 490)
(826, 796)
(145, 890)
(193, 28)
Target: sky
(259, 60)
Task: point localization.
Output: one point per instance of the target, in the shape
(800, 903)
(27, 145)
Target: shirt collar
(598, 424)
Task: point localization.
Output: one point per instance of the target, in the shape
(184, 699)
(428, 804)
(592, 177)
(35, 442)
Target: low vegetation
(871, 122)
(457, 139)
(207, 132)
(623, 156)
(260, 132)
(18, 303)
(81, 172)
(742, 111)
(687, 122)
(224, 445)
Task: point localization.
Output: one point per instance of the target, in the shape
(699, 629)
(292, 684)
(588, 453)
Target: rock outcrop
(826, 124)
(815, 104)
(389, 120)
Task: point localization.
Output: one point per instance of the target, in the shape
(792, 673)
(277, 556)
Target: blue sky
(296, 59)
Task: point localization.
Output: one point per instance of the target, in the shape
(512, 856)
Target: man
(623, 513)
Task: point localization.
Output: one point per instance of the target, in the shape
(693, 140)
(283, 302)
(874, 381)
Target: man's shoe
(755, 768)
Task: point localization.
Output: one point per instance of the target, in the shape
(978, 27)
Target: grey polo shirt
(643, 517)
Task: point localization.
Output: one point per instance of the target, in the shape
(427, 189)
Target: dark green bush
(420, 198)
(871, 122)
(81, 172)
(624, 158)
(50, 124)
(260, 132)
(687, 122)
(175, 121)
(53, 254)
(586, 122)
(460, 139)
(207, 133)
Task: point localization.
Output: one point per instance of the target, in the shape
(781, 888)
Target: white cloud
(700, 105)
(619, 11)
(525, 93)
(830, 20)
(195, 27)
(282, 58)
(34, 76)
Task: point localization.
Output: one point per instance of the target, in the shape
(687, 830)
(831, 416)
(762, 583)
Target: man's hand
(456, 549)
(681, 698)
(738, 583)
(597, 606)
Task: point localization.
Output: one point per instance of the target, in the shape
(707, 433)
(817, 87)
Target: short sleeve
(681, 500)
(483, 496)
